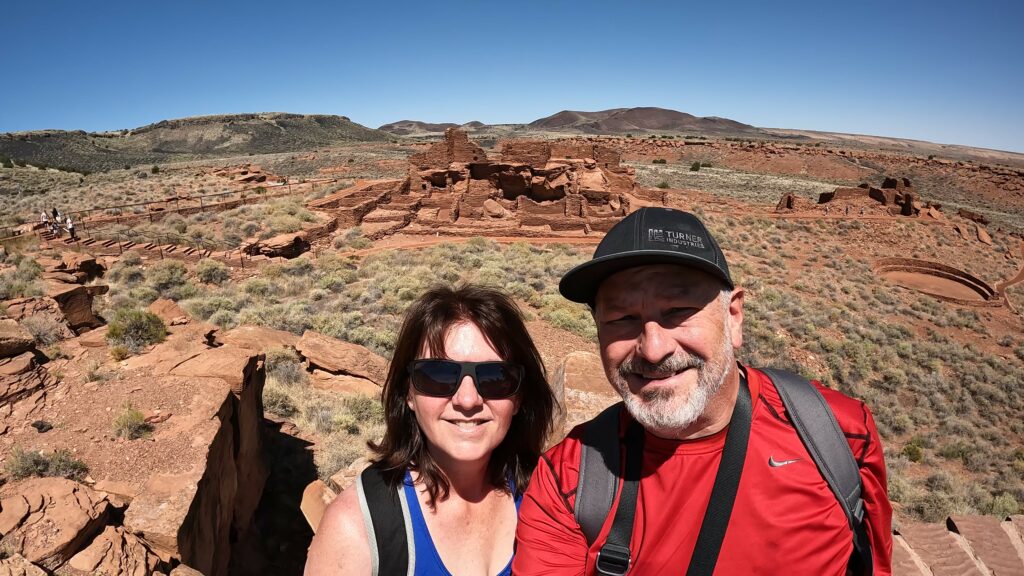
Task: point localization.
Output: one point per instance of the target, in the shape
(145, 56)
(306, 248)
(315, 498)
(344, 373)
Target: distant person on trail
(467, 407)
(709, 458)
(44, 219)
(71, 227)
(56, 214)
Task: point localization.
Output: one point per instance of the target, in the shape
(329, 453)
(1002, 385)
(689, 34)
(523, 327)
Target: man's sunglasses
(441, 378)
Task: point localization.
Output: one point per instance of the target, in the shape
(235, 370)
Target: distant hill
(417, 128)
(645, 120)
(183, 139)
(639, 120)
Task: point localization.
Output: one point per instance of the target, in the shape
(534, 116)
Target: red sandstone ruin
(454, 187)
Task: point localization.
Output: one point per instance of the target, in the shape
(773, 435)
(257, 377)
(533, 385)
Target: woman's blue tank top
(428, 561)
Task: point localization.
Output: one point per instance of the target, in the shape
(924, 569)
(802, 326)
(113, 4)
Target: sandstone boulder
(17, 565)
(493, 209)
(22, 308)
(283, 245)
(983, 236)
(15, 365)
(78, 262)
(341, 357)
(168, 311)
(116, 552)
(256, 338)
(48, 520)
(194, 516)
(14, 339)
(75, 302)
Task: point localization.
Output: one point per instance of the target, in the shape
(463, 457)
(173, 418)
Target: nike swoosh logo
(776, 463)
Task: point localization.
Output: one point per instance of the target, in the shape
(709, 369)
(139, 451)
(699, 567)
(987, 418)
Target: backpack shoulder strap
(388, 524)
(820, 433)
(600, 471)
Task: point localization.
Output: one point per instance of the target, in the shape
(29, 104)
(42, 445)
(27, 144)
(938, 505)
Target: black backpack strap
(388, 524)
(615, 557)
(824, 439)
(600, 470)
(723, 494)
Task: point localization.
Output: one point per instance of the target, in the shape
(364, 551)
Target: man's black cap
(647, 236)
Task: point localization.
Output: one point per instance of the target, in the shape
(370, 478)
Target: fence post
(201, 209)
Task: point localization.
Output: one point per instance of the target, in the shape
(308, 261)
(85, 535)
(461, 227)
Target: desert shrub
(913, 452)
(695, 167)
(278, 403)
(119, 352)
(44, 328)
(212, 272)
(155, 169)
(663, 184)
(705, 164)
(224, 319)
(320, 417)
(282, 364)
(364, 409)
(166, 276)
(337, 452)
(135, 329)
(175, 222)
(131, 423)
(23, 464)
(659, 161)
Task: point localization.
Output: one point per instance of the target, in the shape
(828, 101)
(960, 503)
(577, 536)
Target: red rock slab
(48, 520)
(991, 544)
(167, 310)
(983, 236)
(14, 339)
(17, 565)
(903, 563)
(343, 384)
(961, 231)
(341, 357)
(233, 365)
(256, 338)
(939, 550)
(116, 552)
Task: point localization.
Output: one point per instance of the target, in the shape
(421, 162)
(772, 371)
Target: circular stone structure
(938, 280)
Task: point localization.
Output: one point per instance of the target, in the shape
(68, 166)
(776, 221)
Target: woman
(467, 406)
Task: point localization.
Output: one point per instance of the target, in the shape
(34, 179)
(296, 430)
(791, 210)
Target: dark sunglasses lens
(435, 377)
(498, 379)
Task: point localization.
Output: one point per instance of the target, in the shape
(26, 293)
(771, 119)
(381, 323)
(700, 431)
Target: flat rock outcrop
(17, 565)
(13, 338)
(40, 306)
(47, 520)
(342, 357)
(168, 311)
(75, 302)
(255, 338)
(116, 551)
(195, 516)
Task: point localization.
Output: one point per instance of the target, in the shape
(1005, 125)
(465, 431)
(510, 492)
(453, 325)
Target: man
(669, 320)
(71, 227)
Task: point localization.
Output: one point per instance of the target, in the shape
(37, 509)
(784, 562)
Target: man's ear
(736, 316)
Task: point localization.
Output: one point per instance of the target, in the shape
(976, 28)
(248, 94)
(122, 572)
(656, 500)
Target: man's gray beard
(662, 411)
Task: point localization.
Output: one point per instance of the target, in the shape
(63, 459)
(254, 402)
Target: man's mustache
(673, 364)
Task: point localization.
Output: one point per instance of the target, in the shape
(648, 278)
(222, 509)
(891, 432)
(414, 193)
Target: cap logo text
(675, 238)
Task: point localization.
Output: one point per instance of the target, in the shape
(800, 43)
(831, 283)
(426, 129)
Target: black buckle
(613, 560)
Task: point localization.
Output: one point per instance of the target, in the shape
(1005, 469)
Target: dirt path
(415, 243)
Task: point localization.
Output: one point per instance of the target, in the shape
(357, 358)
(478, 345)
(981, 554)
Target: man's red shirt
(785, 518)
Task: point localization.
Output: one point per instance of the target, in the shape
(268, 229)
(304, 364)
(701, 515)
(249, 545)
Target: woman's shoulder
(340, 545)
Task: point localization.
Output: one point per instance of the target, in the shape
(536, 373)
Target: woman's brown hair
(427, 322)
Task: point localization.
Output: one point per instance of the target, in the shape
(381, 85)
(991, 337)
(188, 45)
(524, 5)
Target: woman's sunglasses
(441, 378)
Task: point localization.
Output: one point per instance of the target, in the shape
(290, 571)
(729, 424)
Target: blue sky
(948, 72)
